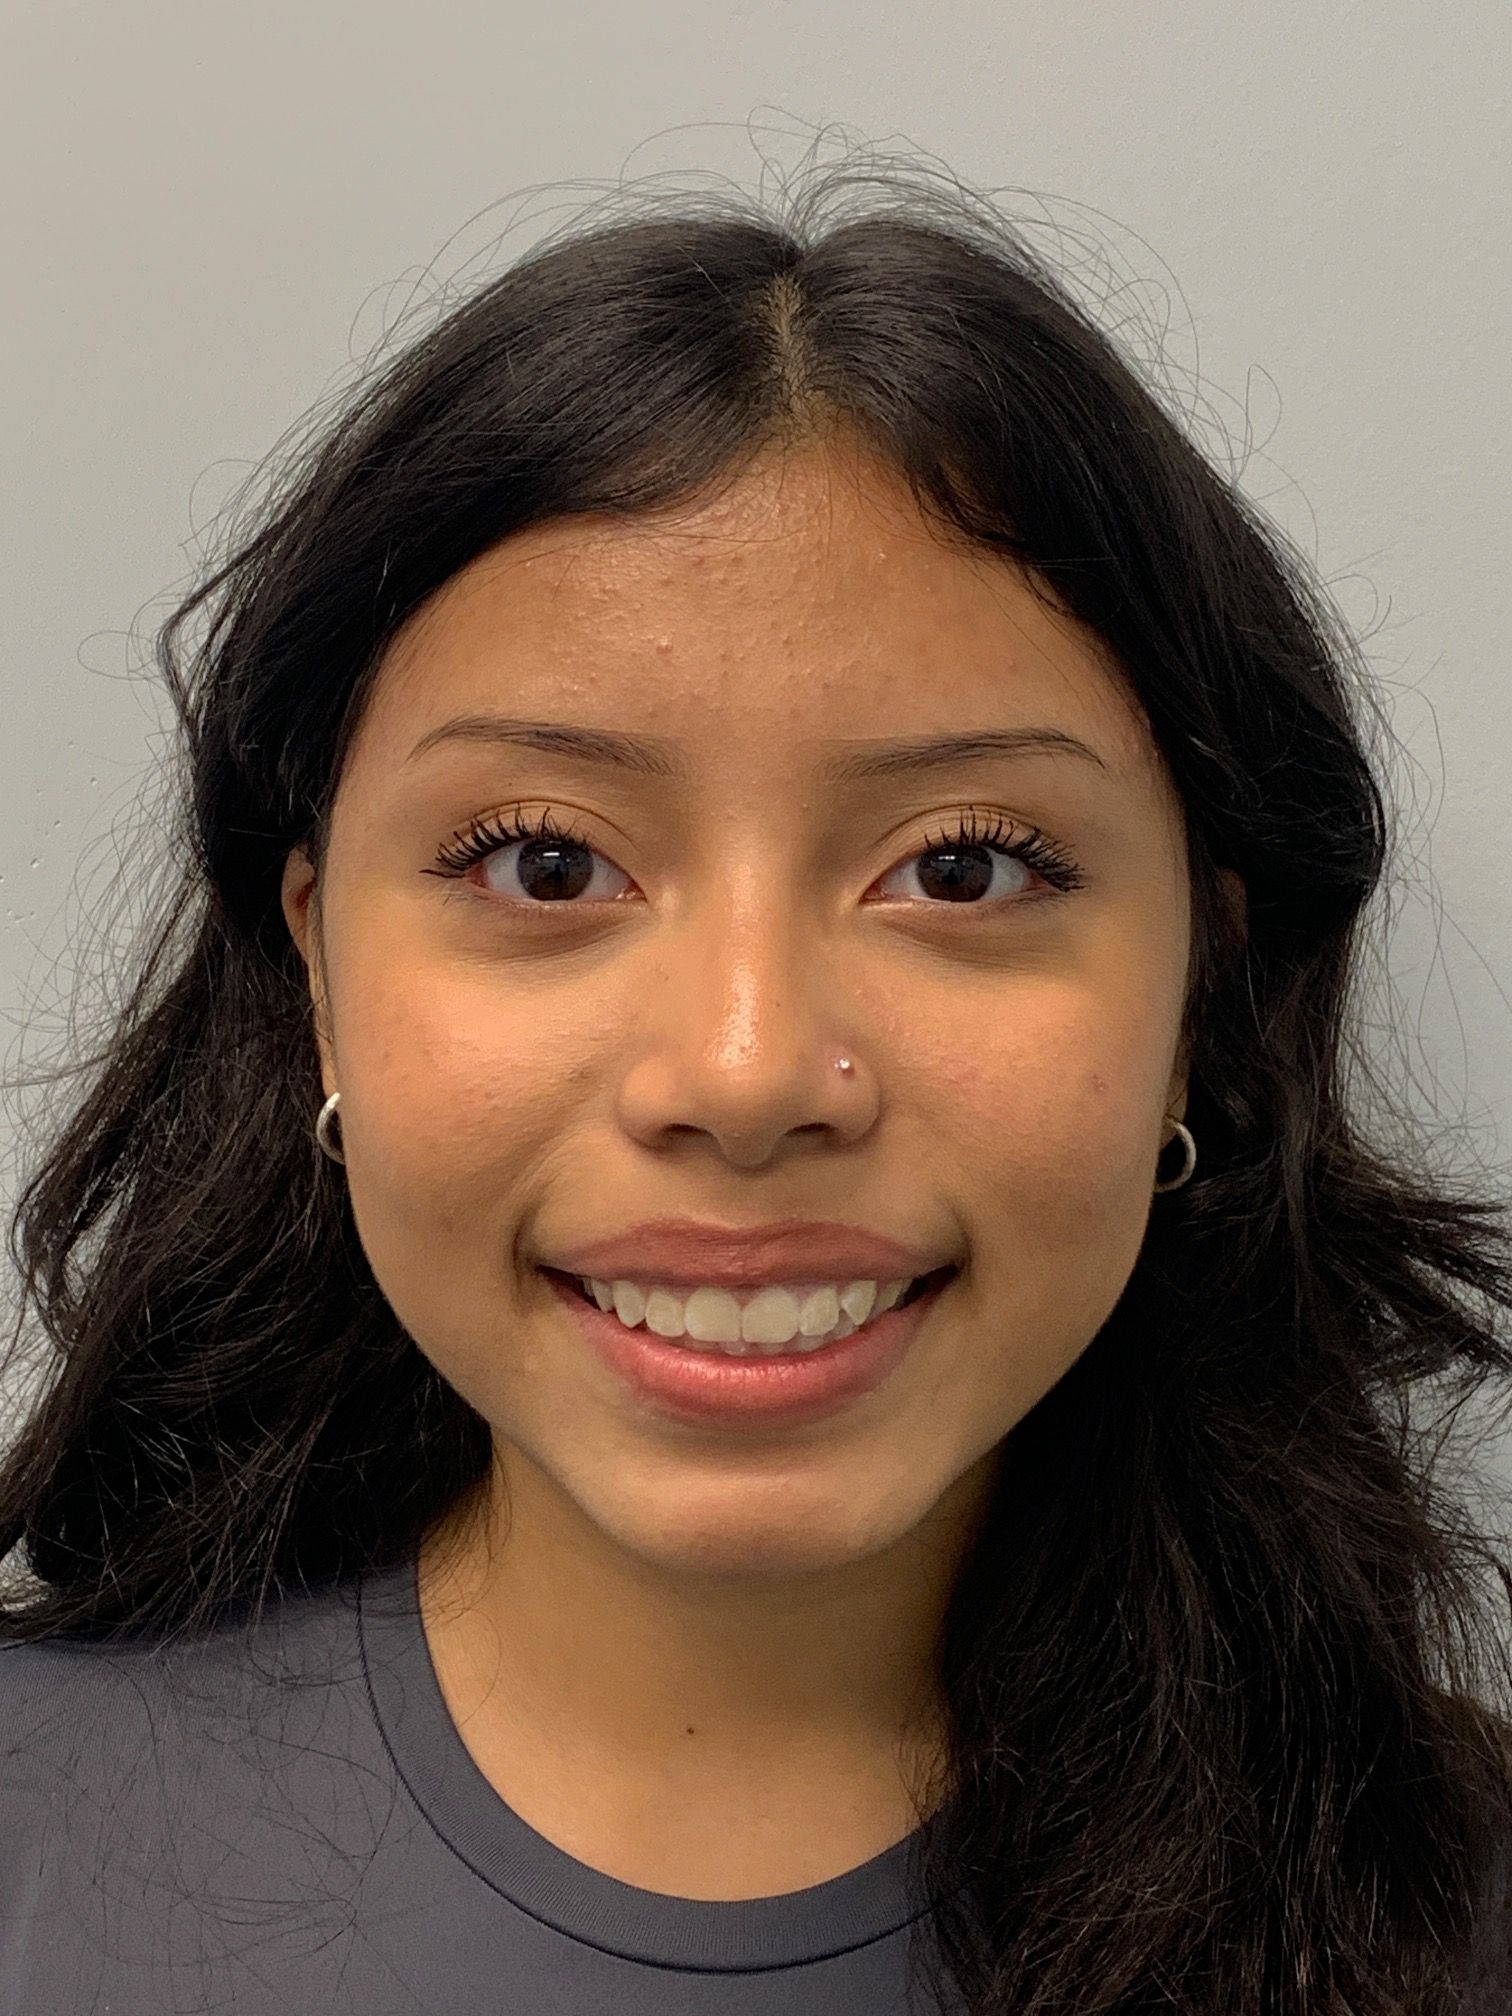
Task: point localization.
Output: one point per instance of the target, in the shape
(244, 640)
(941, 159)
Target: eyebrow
(855, 760)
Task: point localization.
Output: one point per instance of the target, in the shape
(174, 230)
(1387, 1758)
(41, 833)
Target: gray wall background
(213, 216)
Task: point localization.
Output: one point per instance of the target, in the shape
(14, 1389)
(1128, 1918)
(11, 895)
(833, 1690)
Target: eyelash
(483, 837)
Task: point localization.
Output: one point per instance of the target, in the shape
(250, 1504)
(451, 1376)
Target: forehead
(805, 601)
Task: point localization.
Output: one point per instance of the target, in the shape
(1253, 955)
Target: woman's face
(523, 1071)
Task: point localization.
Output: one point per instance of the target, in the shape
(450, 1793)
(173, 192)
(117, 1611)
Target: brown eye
(964, 866)
(554, 866)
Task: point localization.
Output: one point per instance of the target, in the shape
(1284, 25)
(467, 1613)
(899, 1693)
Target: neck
(681, 1727)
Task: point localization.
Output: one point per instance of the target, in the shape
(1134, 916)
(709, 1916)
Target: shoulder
(51, 1690)
(78, 1725)
(154, 1793)
(120, 1749)
(61, 1699)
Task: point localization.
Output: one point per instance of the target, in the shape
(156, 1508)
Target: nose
(745, 1042)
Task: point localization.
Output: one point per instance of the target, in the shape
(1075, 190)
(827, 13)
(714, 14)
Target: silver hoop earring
(1189, 1147)
(323, 1128)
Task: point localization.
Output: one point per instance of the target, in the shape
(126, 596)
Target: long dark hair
(1228, 1707)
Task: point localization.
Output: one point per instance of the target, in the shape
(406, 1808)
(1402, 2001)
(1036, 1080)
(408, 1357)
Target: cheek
(1059, 1108)
(450, 1084)
(457, 1096)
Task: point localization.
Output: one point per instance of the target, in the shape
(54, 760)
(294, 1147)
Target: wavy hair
(1228, 1701)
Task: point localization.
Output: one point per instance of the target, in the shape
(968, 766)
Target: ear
(297, 888)
(1236, 898)
(1176, 1091)
(297, 895)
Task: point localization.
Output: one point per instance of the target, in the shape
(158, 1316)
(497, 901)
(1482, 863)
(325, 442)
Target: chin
(767, 1526)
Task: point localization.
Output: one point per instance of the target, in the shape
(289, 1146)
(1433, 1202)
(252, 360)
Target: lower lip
(789, 1387)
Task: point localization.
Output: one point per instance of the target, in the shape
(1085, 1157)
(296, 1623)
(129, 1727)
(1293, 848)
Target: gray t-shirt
(294, 1824)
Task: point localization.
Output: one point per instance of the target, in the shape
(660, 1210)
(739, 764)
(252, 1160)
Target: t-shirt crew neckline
(479, 1826)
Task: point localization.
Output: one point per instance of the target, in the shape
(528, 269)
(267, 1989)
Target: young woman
(727, 1337)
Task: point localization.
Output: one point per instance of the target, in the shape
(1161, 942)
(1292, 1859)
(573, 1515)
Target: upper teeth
(768, 1316)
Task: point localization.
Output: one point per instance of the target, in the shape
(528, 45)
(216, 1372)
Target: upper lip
(679, 1253)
